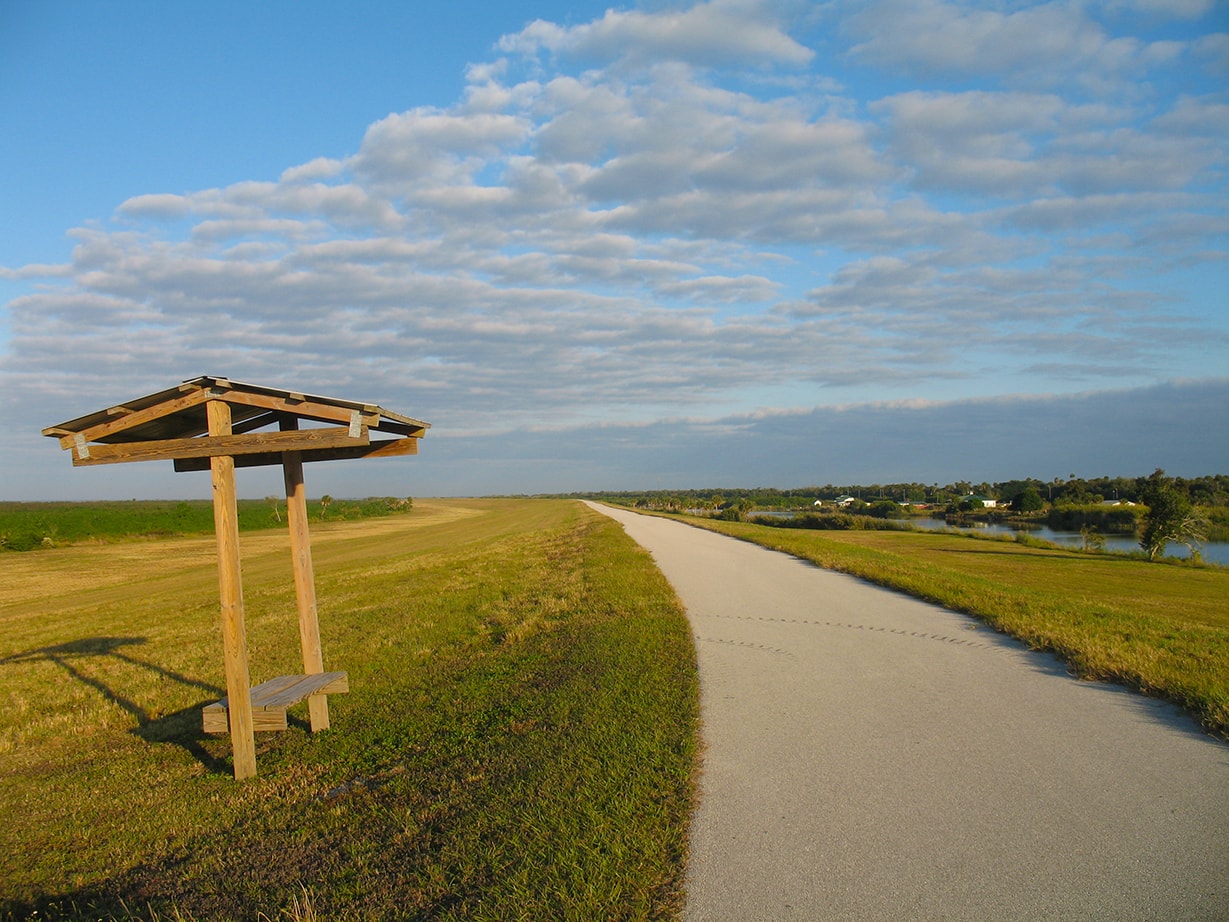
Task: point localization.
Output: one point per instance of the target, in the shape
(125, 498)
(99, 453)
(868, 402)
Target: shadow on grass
(183, 728)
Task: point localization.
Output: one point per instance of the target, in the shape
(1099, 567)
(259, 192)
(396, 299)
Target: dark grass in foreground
(1158, 628)
(519, 741)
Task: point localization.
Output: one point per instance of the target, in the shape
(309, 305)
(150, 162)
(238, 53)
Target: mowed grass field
(519, 741)
(1162, 629)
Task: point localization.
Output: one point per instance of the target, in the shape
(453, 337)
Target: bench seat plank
(270, 700)
(286, 690)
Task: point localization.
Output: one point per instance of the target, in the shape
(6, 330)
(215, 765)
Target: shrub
(1027, 500)
(1106, 519)
(20, 541)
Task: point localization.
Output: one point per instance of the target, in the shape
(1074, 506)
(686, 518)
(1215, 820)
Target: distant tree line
(1158, 509)
(1210, 491)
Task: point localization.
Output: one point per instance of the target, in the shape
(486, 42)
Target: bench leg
(304, 578)
(318, 709)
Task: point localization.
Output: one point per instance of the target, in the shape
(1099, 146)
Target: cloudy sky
(735, 242)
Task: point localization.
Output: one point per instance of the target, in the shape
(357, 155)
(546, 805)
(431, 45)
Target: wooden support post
(304, 578)
(230, 586)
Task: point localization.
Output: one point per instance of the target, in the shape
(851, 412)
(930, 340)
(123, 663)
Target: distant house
(845, 500)
(985, 501)
(818, 502)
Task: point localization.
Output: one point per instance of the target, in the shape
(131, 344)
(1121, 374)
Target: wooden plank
(287, 693)
(230, 591)
(254, 423)
(214, 719)
(270, 687)
(269, 700)
(304, 409)
(384, 448)
(137, 417)
(212, 446)
(304, 578)
(374, 417)
(406, 420)
(398, 428)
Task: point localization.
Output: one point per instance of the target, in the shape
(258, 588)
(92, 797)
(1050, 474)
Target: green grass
(27, 526)
(1161, 629)
(519, 740)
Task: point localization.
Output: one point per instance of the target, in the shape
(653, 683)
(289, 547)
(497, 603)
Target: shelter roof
(173, 424)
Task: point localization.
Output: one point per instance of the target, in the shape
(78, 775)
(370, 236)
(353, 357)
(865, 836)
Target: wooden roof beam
(221, 445)
(306, 409)
(135, 418)
(256, 422)
(386, 448)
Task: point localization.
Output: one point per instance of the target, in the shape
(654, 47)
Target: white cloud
(425, 146)
(719, 32)
(1013, 145)
(1177, 9)
(213, 231)
(158, 205)
(977, 142)
(313, 171)
(1046, 44)
(37, 271)
(1214, 51)
(722, 289)
(1065, 213)
(1196, 116)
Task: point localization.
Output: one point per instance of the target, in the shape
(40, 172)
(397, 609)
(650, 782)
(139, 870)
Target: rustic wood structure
(215, 424)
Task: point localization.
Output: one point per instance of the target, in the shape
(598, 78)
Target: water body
(1212, 552)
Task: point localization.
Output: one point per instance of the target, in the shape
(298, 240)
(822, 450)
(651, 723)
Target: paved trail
(874, 757)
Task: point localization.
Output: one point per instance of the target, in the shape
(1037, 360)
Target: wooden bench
(270, 700)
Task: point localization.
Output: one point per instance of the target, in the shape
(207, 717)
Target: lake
(1213, 551)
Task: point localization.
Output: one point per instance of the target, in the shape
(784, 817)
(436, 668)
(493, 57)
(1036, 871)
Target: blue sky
(740, 242)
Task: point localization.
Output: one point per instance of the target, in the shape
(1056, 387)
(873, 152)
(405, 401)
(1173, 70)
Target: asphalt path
(869, 756)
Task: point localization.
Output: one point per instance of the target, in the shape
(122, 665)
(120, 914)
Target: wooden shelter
(215, 424)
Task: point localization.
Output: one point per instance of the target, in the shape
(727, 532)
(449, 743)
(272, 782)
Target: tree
(1170, 517)
(736, 510)
(1092, 539)
(1027, 500)
(885, 509)
(325, 501)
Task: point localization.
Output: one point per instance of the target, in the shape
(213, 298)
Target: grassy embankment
(1159, 628)
(29, 526)
(518, 743)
